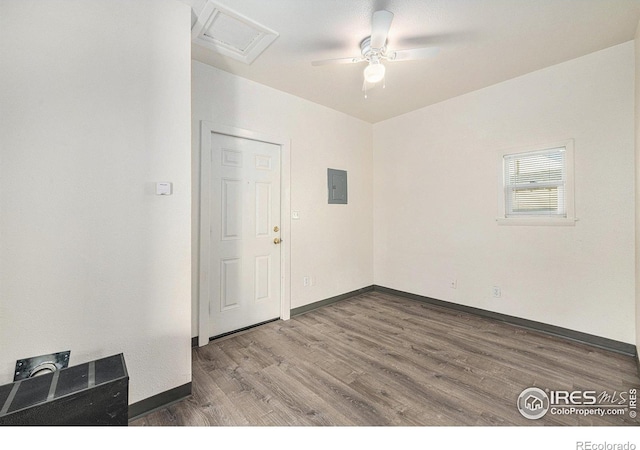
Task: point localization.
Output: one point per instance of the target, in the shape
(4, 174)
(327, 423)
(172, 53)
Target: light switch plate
(164, 188)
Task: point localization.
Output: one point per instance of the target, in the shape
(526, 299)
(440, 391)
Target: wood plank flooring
(382, 360)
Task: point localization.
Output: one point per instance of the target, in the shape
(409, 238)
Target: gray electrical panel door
(337, 183)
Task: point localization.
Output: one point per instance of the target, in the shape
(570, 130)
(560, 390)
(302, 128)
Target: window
(537, 185)
(534, 183)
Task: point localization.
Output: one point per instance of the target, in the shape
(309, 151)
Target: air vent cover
(230, 33)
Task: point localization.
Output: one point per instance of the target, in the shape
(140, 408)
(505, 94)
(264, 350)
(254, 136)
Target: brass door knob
(277, 241)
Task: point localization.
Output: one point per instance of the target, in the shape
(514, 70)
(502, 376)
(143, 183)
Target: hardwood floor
(377, 359)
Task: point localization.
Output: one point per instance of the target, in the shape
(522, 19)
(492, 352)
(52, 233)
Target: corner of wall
(637, 182)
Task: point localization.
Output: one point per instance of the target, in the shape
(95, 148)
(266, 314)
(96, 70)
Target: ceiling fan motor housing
(369, 53)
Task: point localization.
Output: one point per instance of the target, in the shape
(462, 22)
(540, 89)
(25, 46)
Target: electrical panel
(337, 183)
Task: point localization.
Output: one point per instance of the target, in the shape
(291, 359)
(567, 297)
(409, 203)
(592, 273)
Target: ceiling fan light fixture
(374, 72)
(374, 50)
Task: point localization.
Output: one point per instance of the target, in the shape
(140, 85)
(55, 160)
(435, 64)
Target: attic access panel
(337, 184)
(231, 34)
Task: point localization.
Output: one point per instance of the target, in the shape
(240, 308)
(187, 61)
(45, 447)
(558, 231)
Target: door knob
(277, 240)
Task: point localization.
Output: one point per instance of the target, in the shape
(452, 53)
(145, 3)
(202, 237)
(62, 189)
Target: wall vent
(230, 33)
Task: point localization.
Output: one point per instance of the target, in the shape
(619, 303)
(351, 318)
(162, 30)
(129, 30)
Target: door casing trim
(204, 252)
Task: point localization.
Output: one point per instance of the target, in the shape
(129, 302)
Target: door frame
(204, 254)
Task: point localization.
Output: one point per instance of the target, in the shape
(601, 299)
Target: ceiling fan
(374, 51)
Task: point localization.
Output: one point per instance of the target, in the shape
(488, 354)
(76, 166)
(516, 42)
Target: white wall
(436, 178)
(330, 243)
(95, 100)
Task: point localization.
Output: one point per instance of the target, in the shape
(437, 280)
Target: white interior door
(245, 233)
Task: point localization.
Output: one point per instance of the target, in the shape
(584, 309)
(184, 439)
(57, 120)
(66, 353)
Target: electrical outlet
(453, 284)
(306, 281)
(497, 293)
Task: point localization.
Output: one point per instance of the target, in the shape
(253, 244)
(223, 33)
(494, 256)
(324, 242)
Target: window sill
(537, 221)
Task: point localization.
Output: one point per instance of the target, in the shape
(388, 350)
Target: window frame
(569, 193)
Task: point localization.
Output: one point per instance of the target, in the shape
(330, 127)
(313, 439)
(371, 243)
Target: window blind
(534, 183)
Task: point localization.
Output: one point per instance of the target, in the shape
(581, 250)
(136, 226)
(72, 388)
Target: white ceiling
(482, 42)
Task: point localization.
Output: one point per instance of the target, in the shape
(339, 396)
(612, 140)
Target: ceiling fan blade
(380, 25)
(325, 62)
(414, 53)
